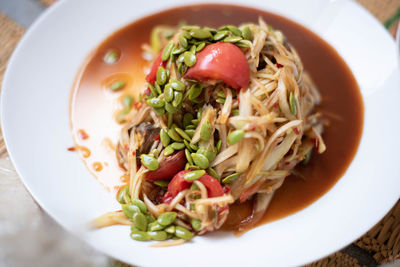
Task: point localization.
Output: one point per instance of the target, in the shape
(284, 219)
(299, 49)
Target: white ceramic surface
(35, 121)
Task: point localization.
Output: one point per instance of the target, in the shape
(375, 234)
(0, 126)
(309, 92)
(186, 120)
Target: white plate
(34, 116)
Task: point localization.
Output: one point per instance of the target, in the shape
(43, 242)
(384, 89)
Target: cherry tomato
(168, 168)
(178, 183)
(151, 77)
(221, 61)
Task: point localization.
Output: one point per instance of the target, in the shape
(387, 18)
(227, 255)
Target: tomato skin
(168, 168)
(151, 77)
(213, 186)
(221, 61)
(178, 183)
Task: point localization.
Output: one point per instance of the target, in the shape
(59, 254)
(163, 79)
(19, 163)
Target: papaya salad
(225, 116)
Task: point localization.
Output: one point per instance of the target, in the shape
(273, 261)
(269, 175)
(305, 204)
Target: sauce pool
(93, 105)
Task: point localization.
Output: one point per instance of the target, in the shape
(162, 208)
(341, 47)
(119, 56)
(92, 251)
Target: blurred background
(28, 237)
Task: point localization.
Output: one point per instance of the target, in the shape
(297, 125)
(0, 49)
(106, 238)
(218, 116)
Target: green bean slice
(213, 173)
(246, 33)
(200, 46)
(292, 104)
(195, 91)
(149, 162)
(189, 58)
(174, 135)
(235, 112)
(187, 166)
(152, 89)
(170, 108)
(190, 127)
(155, 152)
(183, 41)
(177, 146)
(206, 131)
(140, 204)
(161, 183)
(155, 226)
(190, 27)
(159, 111)
(187, 35)
(168, 151)
(167, 51)
(187, 119)
(195, 122)
(161, 77)
(193, 146)
(164, 137)
(242, 44)
(220, 35)
(230, 178)
(220, 100)
(168, 93)
(111, 56)
(181, 58)
(200, 34)
(140, 236)
(182, 68)
(129, 210)
(209, 153)
(117, 85)
(177, 85)
(140, 221)
(235, 136)
(150, 218)
(178, 97)
(167, 218)
(193, 175)
(123, 195)
(196, 224)
(188, 157)
(200, 160)
(232, 39)
(190, 132)
(193, 49)
(170, 229)
(127, 101)
(155, 102)
(155, 39)
(183, 233)
(221, 94)
(158, 235)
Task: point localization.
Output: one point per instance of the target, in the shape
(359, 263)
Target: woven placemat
(380, 245)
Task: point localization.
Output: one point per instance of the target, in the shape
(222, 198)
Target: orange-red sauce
(93, 105)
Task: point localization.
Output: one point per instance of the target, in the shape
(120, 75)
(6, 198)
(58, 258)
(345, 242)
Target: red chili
(279, 65)
(157, 138)
(296, 131)
(72, 148)
(82, 134)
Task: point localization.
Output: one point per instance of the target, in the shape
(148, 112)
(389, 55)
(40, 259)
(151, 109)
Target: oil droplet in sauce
(82, 134)
(97, 166)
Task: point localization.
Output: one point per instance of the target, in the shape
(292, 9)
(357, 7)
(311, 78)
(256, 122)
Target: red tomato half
(168, 168)
(151, 77)
(221, 61)
(178, 183)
